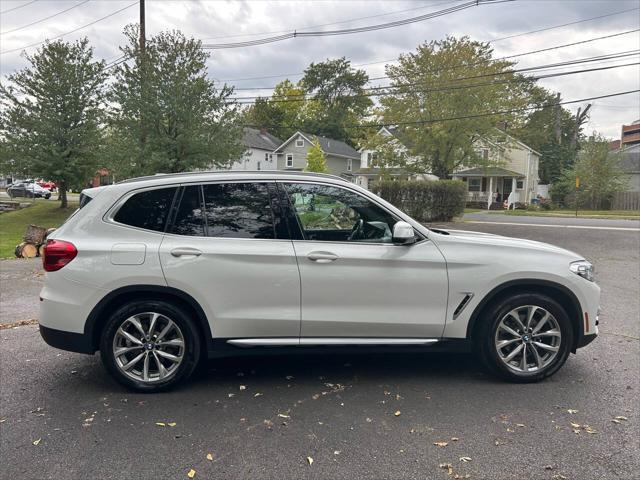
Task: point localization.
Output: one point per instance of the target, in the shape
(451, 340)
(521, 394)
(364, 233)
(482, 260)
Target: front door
(507, 187)
(226, 248)
(355, 281)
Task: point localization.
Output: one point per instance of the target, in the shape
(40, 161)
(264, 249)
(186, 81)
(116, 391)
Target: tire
(181, 341)
(495, 343)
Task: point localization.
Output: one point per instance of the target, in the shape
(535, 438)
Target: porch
(490, 187)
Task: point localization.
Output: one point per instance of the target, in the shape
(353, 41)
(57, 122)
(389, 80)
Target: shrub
(425, 201)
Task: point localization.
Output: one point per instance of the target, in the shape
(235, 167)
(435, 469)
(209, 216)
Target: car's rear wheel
(525, 338)
(150, 345)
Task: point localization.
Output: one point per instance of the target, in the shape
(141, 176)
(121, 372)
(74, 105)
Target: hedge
(423, 200)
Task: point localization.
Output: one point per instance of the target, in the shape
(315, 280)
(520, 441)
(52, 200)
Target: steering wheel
(357, 230)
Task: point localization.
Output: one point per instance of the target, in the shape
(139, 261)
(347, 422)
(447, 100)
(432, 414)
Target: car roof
(191, 177)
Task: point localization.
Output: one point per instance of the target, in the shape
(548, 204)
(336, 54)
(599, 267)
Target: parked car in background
(47, 184)
(28, 190)
(160, 272)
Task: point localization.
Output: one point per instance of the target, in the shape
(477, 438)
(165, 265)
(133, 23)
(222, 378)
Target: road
(341, 410)
(558, 222)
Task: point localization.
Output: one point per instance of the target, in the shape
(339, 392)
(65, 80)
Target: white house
(259, 154)
(511, 166)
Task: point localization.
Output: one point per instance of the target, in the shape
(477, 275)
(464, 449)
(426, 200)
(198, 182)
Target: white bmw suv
(160, 272)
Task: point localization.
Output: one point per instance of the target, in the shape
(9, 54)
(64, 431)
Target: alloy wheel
(528, 339)
(148, 347)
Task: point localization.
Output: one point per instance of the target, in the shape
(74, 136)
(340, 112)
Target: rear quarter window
(148, 210)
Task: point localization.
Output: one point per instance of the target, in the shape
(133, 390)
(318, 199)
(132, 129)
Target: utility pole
(143, 40)
(558, 120)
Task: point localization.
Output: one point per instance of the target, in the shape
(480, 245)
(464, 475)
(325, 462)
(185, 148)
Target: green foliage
(338, 91)
(388, 152)
(51, 115)
(281, 114)
(167, 115)
(419, 81)
(425, 201)
(316, 161)
(600, 177)
(539, 132)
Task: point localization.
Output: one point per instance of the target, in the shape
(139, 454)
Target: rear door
(355, 281)
(228, 247)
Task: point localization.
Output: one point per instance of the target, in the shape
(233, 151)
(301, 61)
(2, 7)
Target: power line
(466, 117)
(18, 7)
(70, 31)
(620, 12)
(613, 56)
(496, 59)
(45, 18)
(332, 23)
(348, 31)
(473, 85)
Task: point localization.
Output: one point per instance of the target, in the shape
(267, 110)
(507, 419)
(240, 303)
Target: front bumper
(71, 341)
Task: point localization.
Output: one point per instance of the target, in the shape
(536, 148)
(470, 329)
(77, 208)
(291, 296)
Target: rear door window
(238, 210)
(189, 219)
(148, 209)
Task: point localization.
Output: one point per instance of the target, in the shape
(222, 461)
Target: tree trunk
(62, 194)
(26, 250)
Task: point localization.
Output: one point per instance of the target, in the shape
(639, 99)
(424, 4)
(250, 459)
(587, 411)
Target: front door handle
(322, 257)
(184, 251)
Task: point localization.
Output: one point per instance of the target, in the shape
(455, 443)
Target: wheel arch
(561, 294)
(99, 315)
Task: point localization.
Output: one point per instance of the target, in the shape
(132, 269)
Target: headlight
(582, 268)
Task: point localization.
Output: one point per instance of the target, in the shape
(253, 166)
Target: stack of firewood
(34, 239)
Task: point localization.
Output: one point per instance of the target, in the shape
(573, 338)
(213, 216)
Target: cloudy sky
(25, 22)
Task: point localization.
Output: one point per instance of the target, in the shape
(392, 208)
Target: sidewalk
(480, 217)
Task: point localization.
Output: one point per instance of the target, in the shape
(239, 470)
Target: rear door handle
(184, 251)
(322, 257)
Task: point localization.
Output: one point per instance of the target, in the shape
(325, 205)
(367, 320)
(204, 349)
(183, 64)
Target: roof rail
(235, 172)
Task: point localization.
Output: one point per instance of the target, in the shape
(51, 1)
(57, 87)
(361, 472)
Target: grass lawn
(44, 213)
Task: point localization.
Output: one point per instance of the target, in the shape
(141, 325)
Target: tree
(281, 114)
(339, 96)
(451, 78)
(52, 112)
(598, 171)
(552, 131)
(316, 161)
(167, 112)
(388, 152)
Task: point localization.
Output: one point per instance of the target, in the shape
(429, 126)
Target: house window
(289, 160)
(266, 157)
(299, 142)
(259, 166)
(271, 157)
(349, 164)
(520, 184)
(474, 184)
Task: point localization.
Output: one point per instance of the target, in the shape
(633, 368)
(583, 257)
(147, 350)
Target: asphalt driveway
(382, 416)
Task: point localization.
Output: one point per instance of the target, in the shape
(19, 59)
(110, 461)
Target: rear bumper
(71, 341)
(586, 340)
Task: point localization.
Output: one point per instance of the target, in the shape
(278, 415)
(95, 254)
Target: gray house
(629, 164)
(342, 159)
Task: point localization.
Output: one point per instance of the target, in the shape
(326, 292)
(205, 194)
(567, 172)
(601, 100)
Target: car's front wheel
(525, 338)
(150, 345)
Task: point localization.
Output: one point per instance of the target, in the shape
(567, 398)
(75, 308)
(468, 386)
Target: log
(41, 251)
(26, 250)
(35, 234)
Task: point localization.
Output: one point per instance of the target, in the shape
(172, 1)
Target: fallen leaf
(620, 417)
(571, 411)
(209, 457)
(465, 459)
(548, 467)
(575, 425)
(616, 421)
(2, 420)
(398, 413)
(242, 387)
(161, 424)
(232, 395)
(191, 473)
(590, 430)
(37, 442)
(172, 424)
(558, 476)
(282, 415)
(521, 425)
(289, 377)
(258, 395)
(369, 420)
(460, 477)
(454, 439)
(336, 452)
(448, 467)
(441, 444)
(310, 460)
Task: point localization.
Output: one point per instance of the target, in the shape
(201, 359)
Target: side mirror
(403, 234)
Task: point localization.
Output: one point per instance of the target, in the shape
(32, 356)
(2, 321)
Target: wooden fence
(626, 201)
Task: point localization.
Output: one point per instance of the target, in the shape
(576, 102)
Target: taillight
(57, 253)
